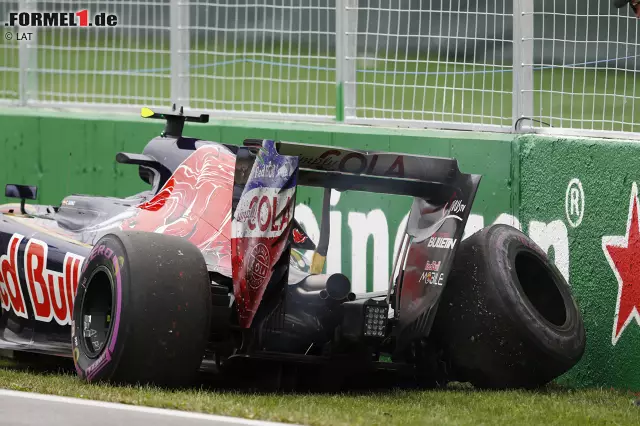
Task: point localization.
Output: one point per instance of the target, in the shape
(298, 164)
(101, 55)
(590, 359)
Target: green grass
(460, 406)
(264, 79)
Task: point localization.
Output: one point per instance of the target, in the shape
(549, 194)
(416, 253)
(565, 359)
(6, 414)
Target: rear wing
(266, 178)
(431, 178)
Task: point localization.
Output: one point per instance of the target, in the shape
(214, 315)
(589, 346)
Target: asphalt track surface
(31, 409)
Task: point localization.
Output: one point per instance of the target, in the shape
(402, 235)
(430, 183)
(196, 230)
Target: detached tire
(142, 310)
(507, 318)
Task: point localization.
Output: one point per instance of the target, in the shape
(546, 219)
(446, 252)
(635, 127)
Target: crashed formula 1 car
(209, 267)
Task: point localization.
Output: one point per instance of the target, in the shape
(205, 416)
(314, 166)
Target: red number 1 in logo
(84, 17)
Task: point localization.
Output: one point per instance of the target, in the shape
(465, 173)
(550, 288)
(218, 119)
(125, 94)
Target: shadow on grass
(292, 381)
(37, 363)
(326, 382)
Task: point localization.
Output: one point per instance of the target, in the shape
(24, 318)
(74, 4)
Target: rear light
(365, 320)
(375, 320)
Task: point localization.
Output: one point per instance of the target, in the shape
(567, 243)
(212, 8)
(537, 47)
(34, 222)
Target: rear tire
(142, 310)
(507, 318)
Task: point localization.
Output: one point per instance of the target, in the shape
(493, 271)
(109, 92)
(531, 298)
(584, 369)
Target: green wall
(530, 182)
(607, 171)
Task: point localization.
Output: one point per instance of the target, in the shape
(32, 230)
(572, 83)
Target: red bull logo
(51, 293)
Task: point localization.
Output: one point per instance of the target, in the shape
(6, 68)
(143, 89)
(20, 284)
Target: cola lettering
(274, 225)
(264, 214)
(397, 168)
(264, 206)
(354, 162)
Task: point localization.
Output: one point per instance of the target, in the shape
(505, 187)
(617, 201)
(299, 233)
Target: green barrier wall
(565, 194)
(585, 189)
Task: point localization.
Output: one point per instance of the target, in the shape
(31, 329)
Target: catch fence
(521, 65)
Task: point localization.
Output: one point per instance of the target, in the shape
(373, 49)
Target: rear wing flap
(430, 178)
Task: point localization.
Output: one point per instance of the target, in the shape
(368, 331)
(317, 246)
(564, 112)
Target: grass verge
(459, 406)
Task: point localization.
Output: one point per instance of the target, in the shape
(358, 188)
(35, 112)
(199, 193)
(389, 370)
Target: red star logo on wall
(623, 254)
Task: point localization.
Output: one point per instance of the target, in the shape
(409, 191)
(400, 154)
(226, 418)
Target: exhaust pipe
(328, 286)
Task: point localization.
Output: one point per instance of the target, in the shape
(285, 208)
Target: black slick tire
(150, 300)
(507, 318)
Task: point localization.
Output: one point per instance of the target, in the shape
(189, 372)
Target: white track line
(135, 408)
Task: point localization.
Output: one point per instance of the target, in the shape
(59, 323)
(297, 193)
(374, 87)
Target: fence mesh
(436, 63)
(585, 66)
(263, 56)
(127, 65)
(9, 60)
(442, 61)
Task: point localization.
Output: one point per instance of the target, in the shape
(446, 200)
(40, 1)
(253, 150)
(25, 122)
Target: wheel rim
(540, 288)
(97, 312)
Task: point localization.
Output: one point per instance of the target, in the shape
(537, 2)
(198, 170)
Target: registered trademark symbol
(574, 203)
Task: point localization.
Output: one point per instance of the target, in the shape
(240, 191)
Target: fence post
(179, 45)
(522, 102)
(28, 59)
(346, 53)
